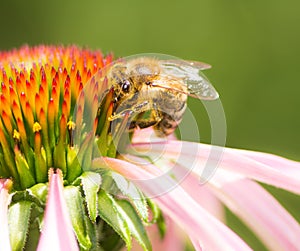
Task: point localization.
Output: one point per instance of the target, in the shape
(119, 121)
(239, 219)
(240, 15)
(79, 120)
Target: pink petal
(284, 174)
(276, 162)
(57, 231)
(204, 197)
(172, 241)
(4, 202)
(255, 206)
(148, 135)
(260, 211)
(180, 207)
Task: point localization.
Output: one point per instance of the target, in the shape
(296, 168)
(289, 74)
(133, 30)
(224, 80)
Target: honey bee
(158, 88)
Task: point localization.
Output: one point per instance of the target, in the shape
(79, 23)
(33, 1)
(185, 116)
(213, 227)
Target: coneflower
(40, 86)
(63, 185)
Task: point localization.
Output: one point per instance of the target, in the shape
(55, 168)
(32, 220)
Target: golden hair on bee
(159, 86)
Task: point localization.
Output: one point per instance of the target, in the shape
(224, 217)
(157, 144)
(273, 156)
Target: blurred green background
(253, 46)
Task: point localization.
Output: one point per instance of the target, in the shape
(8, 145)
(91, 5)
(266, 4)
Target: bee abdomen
(169, 123)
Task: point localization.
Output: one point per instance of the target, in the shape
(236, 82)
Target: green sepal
(27, 179)
(74, 167)
(19, 218)
(135, 224)
(94, 234)
(39, 191)
(77, 215)
(26, 195)
(110, 212)
(158, 218)
(35, 228)
(91, 184)
(110, 240)
(134, 194)
(108, 183)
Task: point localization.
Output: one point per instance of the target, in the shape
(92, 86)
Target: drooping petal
(255, 206)
(260, 211)
(178, 205)
(285, 174)
(4, 201)
(267, 168)
(172, 241)
(57, 233)
(204, 196)
(252, 203)
(272, 160)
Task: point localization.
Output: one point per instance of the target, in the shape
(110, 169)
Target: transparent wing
(195, 64)
(197, 84)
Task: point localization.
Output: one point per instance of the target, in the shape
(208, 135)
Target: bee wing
(197, 84)
(197, 64)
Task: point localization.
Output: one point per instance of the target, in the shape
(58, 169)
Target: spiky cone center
(39, 89)
(54, 118)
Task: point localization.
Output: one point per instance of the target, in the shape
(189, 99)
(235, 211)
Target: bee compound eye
(126, 86)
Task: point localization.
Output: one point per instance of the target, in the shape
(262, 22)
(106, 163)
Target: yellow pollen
(16, 135)
(71, 125)
(36, 127)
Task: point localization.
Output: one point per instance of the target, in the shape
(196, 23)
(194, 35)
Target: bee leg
(155, 118)
(138, 108)
(144, 123)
